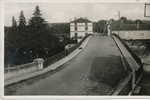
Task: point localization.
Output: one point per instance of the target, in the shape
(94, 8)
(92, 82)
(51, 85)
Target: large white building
(80, 27)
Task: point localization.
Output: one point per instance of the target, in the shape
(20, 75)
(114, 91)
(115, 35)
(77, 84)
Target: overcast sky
(58, 12)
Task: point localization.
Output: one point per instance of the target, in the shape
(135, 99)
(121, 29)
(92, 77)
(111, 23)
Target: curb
(51, 67)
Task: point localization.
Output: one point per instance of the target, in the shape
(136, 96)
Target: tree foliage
(123, 19)
(30, 41)
(100, 26)
(22, 20)
(14, 23)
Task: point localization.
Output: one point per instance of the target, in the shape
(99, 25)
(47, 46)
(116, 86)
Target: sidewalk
(49, 68)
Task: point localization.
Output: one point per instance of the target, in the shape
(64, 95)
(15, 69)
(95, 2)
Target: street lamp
(147, 10)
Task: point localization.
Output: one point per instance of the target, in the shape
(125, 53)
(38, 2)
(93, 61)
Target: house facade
(80, 27)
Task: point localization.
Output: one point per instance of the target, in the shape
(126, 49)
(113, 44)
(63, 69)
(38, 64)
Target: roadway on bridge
(73, 79)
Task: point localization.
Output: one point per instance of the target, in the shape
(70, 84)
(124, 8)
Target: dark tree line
(25, 42)
(100, 26)
(60, 28)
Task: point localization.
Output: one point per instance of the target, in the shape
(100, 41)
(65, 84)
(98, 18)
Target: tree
(37, 12)
(22, 20)
(27, 42)
(100, 26)
(37, 21)
(138, 21)
(123, 19)
(39, 34)
(11, 37)
(14, 23)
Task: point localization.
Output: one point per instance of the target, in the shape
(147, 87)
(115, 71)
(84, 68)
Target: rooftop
(81, 20)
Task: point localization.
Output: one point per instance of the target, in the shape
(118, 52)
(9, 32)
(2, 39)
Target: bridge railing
(18, 67)
(134, 63)
(23, 69)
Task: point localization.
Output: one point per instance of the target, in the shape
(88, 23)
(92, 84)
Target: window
(86, 26)
(76, 28)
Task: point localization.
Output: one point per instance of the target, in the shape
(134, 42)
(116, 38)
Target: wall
(125, 26)
(15, 71)
(133, 34)
(80, 34)
(90, 27)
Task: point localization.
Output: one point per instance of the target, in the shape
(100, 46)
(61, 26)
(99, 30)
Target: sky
(65, 12)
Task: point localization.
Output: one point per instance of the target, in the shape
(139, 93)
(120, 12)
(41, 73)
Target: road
(74, 78)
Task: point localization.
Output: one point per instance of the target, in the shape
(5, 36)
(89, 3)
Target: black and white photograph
(77, 48)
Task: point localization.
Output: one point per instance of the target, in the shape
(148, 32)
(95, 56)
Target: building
(79, 28)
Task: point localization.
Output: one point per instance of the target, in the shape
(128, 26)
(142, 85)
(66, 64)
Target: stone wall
(12, 72)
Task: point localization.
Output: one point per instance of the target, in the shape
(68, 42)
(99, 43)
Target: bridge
(103, 67)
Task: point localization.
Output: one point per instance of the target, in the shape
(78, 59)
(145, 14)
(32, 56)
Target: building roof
(81, 20)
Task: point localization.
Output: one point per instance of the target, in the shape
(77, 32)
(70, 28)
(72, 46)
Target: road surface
(74, 78)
